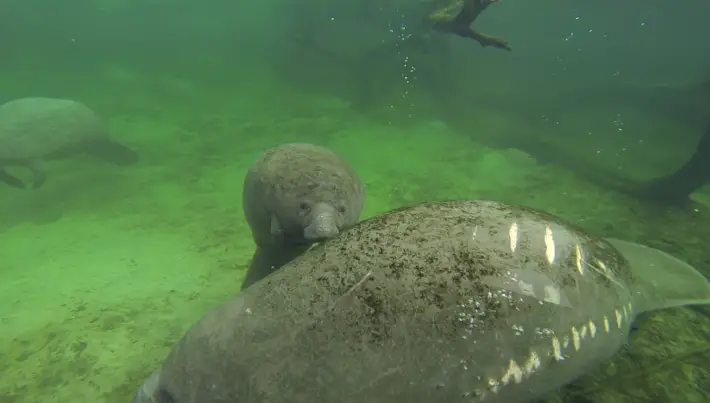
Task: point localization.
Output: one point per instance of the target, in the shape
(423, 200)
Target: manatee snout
(324, 223)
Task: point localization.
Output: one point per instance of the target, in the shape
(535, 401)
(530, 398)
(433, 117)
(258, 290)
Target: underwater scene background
(104, 268)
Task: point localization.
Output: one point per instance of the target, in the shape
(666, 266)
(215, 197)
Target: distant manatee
(33, 130)
(445, 302)
(294, 195)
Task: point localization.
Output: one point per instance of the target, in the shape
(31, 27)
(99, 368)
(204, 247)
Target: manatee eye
(305, 206)
(341, 209)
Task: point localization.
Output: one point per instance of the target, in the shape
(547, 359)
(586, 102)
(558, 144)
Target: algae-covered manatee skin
(452, 301)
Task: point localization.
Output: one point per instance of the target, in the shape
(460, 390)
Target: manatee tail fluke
(661, 280)
(113, 152)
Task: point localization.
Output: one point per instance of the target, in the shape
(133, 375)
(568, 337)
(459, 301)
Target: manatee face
(300, 194)
(325, 199)
(320, 219)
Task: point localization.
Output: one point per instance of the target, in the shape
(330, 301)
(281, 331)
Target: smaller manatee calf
(33, 130)
(294, 195)
(464, 301)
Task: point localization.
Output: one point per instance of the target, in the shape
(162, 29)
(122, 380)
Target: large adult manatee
(294, 195)
(33, 130)
(445, 302)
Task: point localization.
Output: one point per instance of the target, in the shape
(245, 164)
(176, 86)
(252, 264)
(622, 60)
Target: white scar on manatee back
(656, 285)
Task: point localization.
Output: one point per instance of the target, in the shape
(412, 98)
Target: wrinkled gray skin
(426, 304)
(294, 195)
(33, 130)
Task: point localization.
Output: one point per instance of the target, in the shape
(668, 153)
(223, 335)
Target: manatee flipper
(113, 152)
(276, 229)
(39, 173)
(10, 180)
(268, 260)
(661, 280)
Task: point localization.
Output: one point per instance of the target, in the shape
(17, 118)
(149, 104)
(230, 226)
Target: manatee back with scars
(445, 302)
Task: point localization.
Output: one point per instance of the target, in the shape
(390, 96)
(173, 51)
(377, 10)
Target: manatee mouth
(324, 225)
